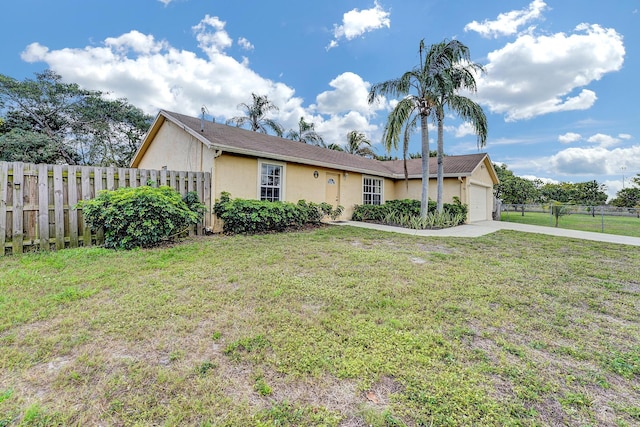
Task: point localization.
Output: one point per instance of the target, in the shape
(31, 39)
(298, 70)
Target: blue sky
(560, 92)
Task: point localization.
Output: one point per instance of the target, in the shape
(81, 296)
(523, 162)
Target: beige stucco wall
(238, 175)
(177, 150)
(451, 187)
(482, 178)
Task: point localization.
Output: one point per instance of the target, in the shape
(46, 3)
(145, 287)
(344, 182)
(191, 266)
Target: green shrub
(456, 208)
(142, 216)
(406, 213)
(242, 216)
(313, 212)
(406, 206)
(369, 212)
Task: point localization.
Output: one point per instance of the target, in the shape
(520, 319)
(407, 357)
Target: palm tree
(359, 144)
(458, 75)
(305, 133)
(334, 146)
(414, 107)
(255, 115)
(418, 155)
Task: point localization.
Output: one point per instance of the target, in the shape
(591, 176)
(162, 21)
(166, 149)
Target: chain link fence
(605, 219)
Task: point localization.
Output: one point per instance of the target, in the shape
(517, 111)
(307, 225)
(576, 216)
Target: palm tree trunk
(440, 206)
(424, 202)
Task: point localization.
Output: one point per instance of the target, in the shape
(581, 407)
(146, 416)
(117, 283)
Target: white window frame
(372, 193)
(283, 173)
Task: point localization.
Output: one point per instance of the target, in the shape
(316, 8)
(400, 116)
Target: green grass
(623, 226)
(334, 326)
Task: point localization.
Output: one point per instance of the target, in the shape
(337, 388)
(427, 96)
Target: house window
(271, 177)
(371, 191)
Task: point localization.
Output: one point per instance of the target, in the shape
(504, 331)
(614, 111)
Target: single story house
(253, 165)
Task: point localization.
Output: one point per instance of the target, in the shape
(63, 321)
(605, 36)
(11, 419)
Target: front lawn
(619, 225)
(338, 326)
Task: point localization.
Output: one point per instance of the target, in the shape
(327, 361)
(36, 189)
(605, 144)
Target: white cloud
(536, 75)
(349, 93)
(211, 35)
(347, 108)
(336, 127)
(165, 2)
(245, 44)
(625, 136)
(357, 22)
(569, 137)
(603, 140)
(464, 129)
(153, 75)
(543, 180)
(136, 42)
(595, 160)
(508, 23)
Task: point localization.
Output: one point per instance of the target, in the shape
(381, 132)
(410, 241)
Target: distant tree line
(630, 196)
(45, 120)
(513, 189)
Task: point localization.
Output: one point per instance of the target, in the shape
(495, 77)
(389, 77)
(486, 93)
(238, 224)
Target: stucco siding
(480, 190)
(236, 175)
(177, 150)
(415, 189)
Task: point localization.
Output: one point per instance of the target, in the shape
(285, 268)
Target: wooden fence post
(58, 206)
(97, 186)
(4, 182)
(86, 195)
(72, 184)
(18, 204)
(43, 207)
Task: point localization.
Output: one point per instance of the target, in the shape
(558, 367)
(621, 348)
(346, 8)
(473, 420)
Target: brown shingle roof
(452, 165)
(242, 141)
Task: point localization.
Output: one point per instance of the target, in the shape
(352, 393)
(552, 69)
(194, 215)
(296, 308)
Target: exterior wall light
(315, 174)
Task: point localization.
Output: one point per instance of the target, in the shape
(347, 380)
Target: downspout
(215, 223)
(201, 156)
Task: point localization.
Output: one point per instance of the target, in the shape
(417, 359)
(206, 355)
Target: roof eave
(146, 140)
(300, 160)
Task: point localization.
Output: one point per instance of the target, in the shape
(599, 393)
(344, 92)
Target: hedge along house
(252, 165)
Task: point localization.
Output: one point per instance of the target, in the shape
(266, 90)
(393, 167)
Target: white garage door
(478, 203)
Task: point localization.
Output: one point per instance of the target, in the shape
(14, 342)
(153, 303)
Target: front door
(332, 193)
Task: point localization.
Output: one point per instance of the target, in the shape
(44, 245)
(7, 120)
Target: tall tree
(306, 133)
(335, 147)
(359, 144)
(49, 121)
(629, 197)
(256, 115)
(416, 88)
(513, 189)
(588, 193)
(115, 129)
(458, 75)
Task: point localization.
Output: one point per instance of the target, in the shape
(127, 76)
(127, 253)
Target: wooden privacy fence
(37, 202)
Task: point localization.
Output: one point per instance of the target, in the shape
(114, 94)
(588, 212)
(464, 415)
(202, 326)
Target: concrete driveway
(481, 228)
